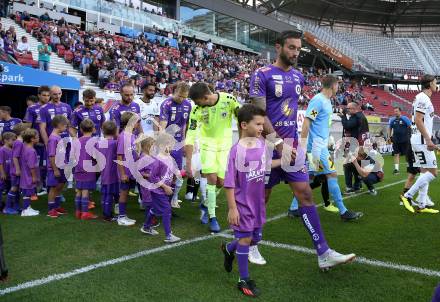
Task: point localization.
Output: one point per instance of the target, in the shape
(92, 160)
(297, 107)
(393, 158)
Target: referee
(399, 133)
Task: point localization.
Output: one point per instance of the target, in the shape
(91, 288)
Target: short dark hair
(43, 88)
(198, 91)
(6, 108)
(146, 85)
(328, 81)
(29, 134)
(426, 81)
(89, 93)
(126, 85)
(58, 120)
(8, 135)
(87, 125)
(32, 98)
(288, 34)
(248, 112)
(109, 128)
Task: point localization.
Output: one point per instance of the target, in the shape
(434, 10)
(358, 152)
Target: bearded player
(276, 88)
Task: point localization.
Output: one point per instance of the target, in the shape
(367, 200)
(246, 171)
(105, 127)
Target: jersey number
(421, 156)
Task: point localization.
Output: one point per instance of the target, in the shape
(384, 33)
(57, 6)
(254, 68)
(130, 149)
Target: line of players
(275, 90)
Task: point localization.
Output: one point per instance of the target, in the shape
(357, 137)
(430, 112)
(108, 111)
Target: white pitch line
(85, 269)
(95, 266)
(362, 260)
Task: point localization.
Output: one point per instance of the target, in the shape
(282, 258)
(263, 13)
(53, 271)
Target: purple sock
(57, 202)
(26, 202)
(10, 198)
(232, 246)
(51, 205)
(242, 253)
(310, 219)
(436, 297)
(148, 219)
(17, 201)
(122, 209)
(77, 203)
(166, 221)
(84, 205)
(107, 205)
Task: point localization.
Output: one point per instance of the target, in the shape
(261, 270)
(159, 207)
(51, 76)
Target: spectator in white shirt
(23, 46)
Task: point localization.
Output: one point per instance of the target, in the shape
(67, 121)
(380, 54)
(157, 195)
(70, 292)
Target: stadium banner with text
(27, 76)
(329, 50)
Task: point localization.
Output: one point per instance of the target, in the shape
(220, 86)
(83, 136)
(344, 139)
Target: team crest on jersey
(298, 89)
(278, 90)
(224, 114)
(287, 111)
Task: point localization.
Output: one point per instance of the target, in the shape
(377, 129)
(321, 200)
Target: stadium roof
(384, 12)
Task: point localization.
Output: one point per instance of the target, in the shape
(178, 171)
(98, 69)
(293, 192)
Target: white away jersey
(422, 103)
(148, 112)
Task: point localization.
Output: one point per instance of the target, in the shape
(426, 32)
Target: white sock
(203, 183)
(424, 178)
(423, 193)
(179, 183)
(396, 166)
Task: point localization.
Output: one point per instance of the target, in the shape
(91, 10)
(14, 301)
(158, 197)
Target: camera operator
(355, 125)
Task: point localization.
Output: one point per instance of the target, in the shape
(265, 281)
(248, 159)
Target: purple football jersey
(48, 112)
(144, 167)
(96, 114)
(6, 159)
(17, 149)
(118, 109)
(8, 125)
(281, 90)
(126, 143)
(246, 174)
(176, 114)
(28, 161)
(80, 173)
(33, 116)
(109, 175)
(162, 170)
(52, 144)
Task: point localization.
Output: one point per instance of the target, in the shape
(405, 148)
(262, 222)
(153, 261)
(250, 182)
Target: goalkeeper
(211, 121)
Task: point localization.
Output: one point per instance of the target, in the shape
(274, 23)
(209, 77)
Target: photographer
(44, 51)
(355, 125)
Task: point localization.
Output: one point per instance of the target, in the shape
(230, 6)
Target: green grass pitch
(38, 247)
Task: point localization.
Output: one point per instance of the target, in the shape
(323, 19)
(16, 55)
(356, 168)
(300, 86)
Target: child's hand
(3, 177)
(233, 217)
(57, 173)
(34, 180)
(168, 190)
(18, 173)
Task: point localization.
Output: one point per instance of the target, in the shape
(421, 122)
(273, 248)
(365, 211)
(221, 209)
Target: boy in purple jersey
(109, 173)
(50, 110)
(276, 88)
(56, 178)
(8, 139)
(87, 111)
(244, 186)
(126, 104)
(32, 117)
(162, 173)
(29, 171)
(85, 180)
(7, 122)
(175, 112)
(130, 123)
(13, 198)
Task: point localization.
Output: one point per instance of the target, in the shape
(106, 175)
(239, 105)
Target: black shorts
(410, 161)
(401, 148)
